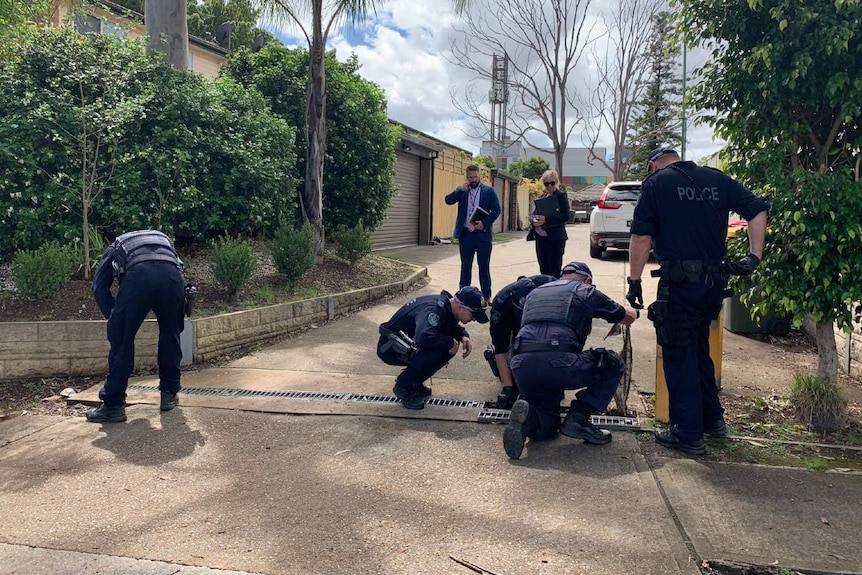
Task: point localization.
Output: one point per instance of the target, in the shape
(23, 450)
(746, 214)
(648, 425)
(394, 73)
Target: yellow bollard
(716, 345)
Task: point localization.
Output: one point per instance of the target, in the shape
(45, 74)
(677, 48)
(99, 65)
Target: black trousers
(550, 255)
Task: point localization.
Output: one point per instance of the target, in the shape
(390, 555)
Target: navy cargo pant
(688, 369)
(480, 244)
(157, 286)
(544, 376)
(424, 364)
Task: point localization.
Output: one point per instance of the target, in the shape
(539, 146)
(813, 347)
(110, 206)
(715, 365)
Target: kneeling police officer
(424, 335)
(507, 309)
(149, 275)
(548, 358)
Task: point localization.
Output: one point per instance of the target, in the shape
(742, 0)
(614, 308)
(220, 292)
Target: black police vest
(562, 301)
(128, 253)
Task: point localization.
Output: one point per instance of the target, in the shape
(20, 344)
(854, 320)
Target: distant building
(506, 152)
(577, 171)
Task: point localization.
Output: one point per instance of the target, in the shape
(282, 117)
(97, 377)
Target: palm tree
(338, 12)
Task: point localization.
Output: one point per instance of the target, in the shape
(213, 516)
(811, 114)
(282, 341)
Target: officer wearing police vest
(149, 275)
(548, 358)
(424, 335)
(682, 215)
(507, 309)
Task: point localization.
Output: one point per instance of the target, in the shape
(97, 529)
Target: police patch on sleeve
(433, 319)
(495, 316)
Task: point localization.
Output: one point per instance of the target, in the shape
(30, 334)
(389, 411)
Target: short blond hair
(550, 173)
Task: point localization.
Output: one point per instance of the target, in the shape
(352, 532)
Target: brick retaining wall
(80, 348)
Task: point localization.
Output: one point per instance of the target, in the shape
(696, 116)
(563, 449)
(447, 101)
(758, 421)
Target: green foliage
(264, 294)
(531, 168)
(43, 271)
(14, 13)
(353, 243)
(293, 250)
(486, 161)
(232, 262)
(791, 110)
(164, 148)
(656, 117)
(206, 16)
(98, 245)
(360, 141)
(818, 403)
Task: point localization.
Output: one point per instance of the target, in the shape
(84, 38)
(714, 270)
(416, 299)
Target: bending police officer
(548, 358)
(430, 328)
(682, 214)
(506, 312)
(149, 275)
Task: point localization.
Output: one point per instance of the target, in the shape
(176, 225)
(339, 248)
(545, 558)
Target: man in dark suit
(478, 208)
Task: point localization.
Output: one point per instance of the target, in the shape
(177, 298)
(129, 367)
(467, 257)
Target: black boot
(506, 398)
(577, 424)
(523, 423)
(667, 438)
(424, 390)
(168, 401)
(410, 397)
(717, 428)
(106, 414)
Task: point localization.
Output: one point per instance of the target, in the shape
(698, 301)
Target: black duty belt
(561, 347)
(152, 258)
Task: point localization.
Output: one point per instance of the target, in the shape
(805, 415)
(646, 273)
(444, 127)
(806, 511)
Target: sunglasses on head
(550, 183)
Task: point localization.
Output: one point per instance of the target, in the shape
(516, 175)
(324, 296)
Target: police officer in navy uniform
(682, 215)
(149, 275)
(506, 312)
(548, 358)
(431, 324)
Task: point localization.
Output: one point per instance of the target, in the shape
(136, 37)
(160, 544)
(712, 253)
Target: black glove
(636, 294)
(744, 266)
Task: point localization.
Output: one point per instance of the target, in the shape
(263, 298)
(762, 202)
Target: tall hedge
(169, 149)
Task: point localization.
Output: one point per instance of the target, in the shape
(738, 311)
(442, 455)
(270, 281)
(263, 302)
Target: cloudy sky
(402, 50)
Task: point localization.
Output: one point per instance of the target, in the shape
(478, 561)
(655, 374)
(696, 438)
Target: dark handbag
(531, 235)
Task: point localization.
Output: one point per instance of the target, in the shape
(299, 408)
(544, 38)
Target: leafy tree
(360, 150)
(531, 168)
(94, 130)
(656, 119)
(486, 161)
(15, 12)
(205, 16)
(782, 75)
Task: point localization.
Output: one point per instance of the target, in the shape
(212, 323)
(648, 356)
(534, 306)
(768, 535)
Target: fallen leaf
(166, 478)
(756, 443)
(824, 520)
(774, 562)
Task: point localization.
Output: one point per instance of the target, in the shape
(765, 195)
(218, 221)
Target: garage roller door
(401, 225)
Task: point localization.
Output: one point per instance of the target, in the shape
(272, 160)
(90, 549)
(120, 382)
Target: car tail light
(604, 204)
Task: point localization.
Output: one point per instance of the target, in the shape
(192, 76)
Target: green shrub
(353, 243)
(44, 270)
(232, 262)
(98, 244)
(293, 250)
(818, 403)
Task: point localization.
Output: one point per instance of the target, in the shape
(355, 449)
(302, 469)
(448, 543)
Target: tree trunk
(167, 28)
(827, 351)
(315, 134)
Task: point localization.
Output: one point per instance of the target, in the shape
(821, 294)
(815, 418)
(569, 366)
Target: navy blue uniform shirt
(429, 321)
(676, 213)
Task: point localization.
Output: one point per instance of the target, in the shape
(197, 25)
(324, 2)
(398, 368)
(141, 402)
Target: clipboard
(478, 214)
(547, 206)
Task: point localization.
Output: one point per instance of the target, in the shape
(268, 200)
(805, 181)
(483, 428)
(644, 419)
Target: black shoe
(578, 425)
(522, 423)
(667, 438)
(410, 398)
(716, 429)
(507, 397)
(424, 390)
(105, 414)
(168, 401)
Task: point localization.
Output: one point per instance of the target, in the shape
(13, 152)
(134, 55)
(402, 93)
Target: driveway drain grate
(486, 415)
(319, 395)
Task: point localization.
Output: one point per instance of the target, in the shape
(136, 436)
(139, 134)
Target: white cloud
(401, 50)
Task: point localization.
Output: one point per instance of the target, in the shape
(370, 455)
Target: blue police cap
(471, 298)
(658, 153)
(579, 268)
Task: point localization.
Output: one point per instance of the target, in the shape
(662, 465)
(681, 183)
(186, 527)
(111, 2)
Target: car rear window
(624, 193)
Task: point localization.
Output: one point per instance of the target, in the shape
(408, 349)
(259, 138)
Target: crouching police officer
(548, 358)
(506, 312)
(149, 277)
(424, 335)
(683, 210)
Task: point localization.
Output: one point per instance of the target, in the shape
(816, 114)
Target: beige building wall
(204, 60)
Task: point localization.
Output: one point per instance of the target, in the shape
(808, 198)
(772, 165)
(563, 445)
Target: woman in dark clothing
(550, 229)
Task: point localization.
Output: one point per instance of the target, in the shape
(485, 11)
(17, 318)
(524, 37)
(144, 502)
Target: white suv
(611, 218)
